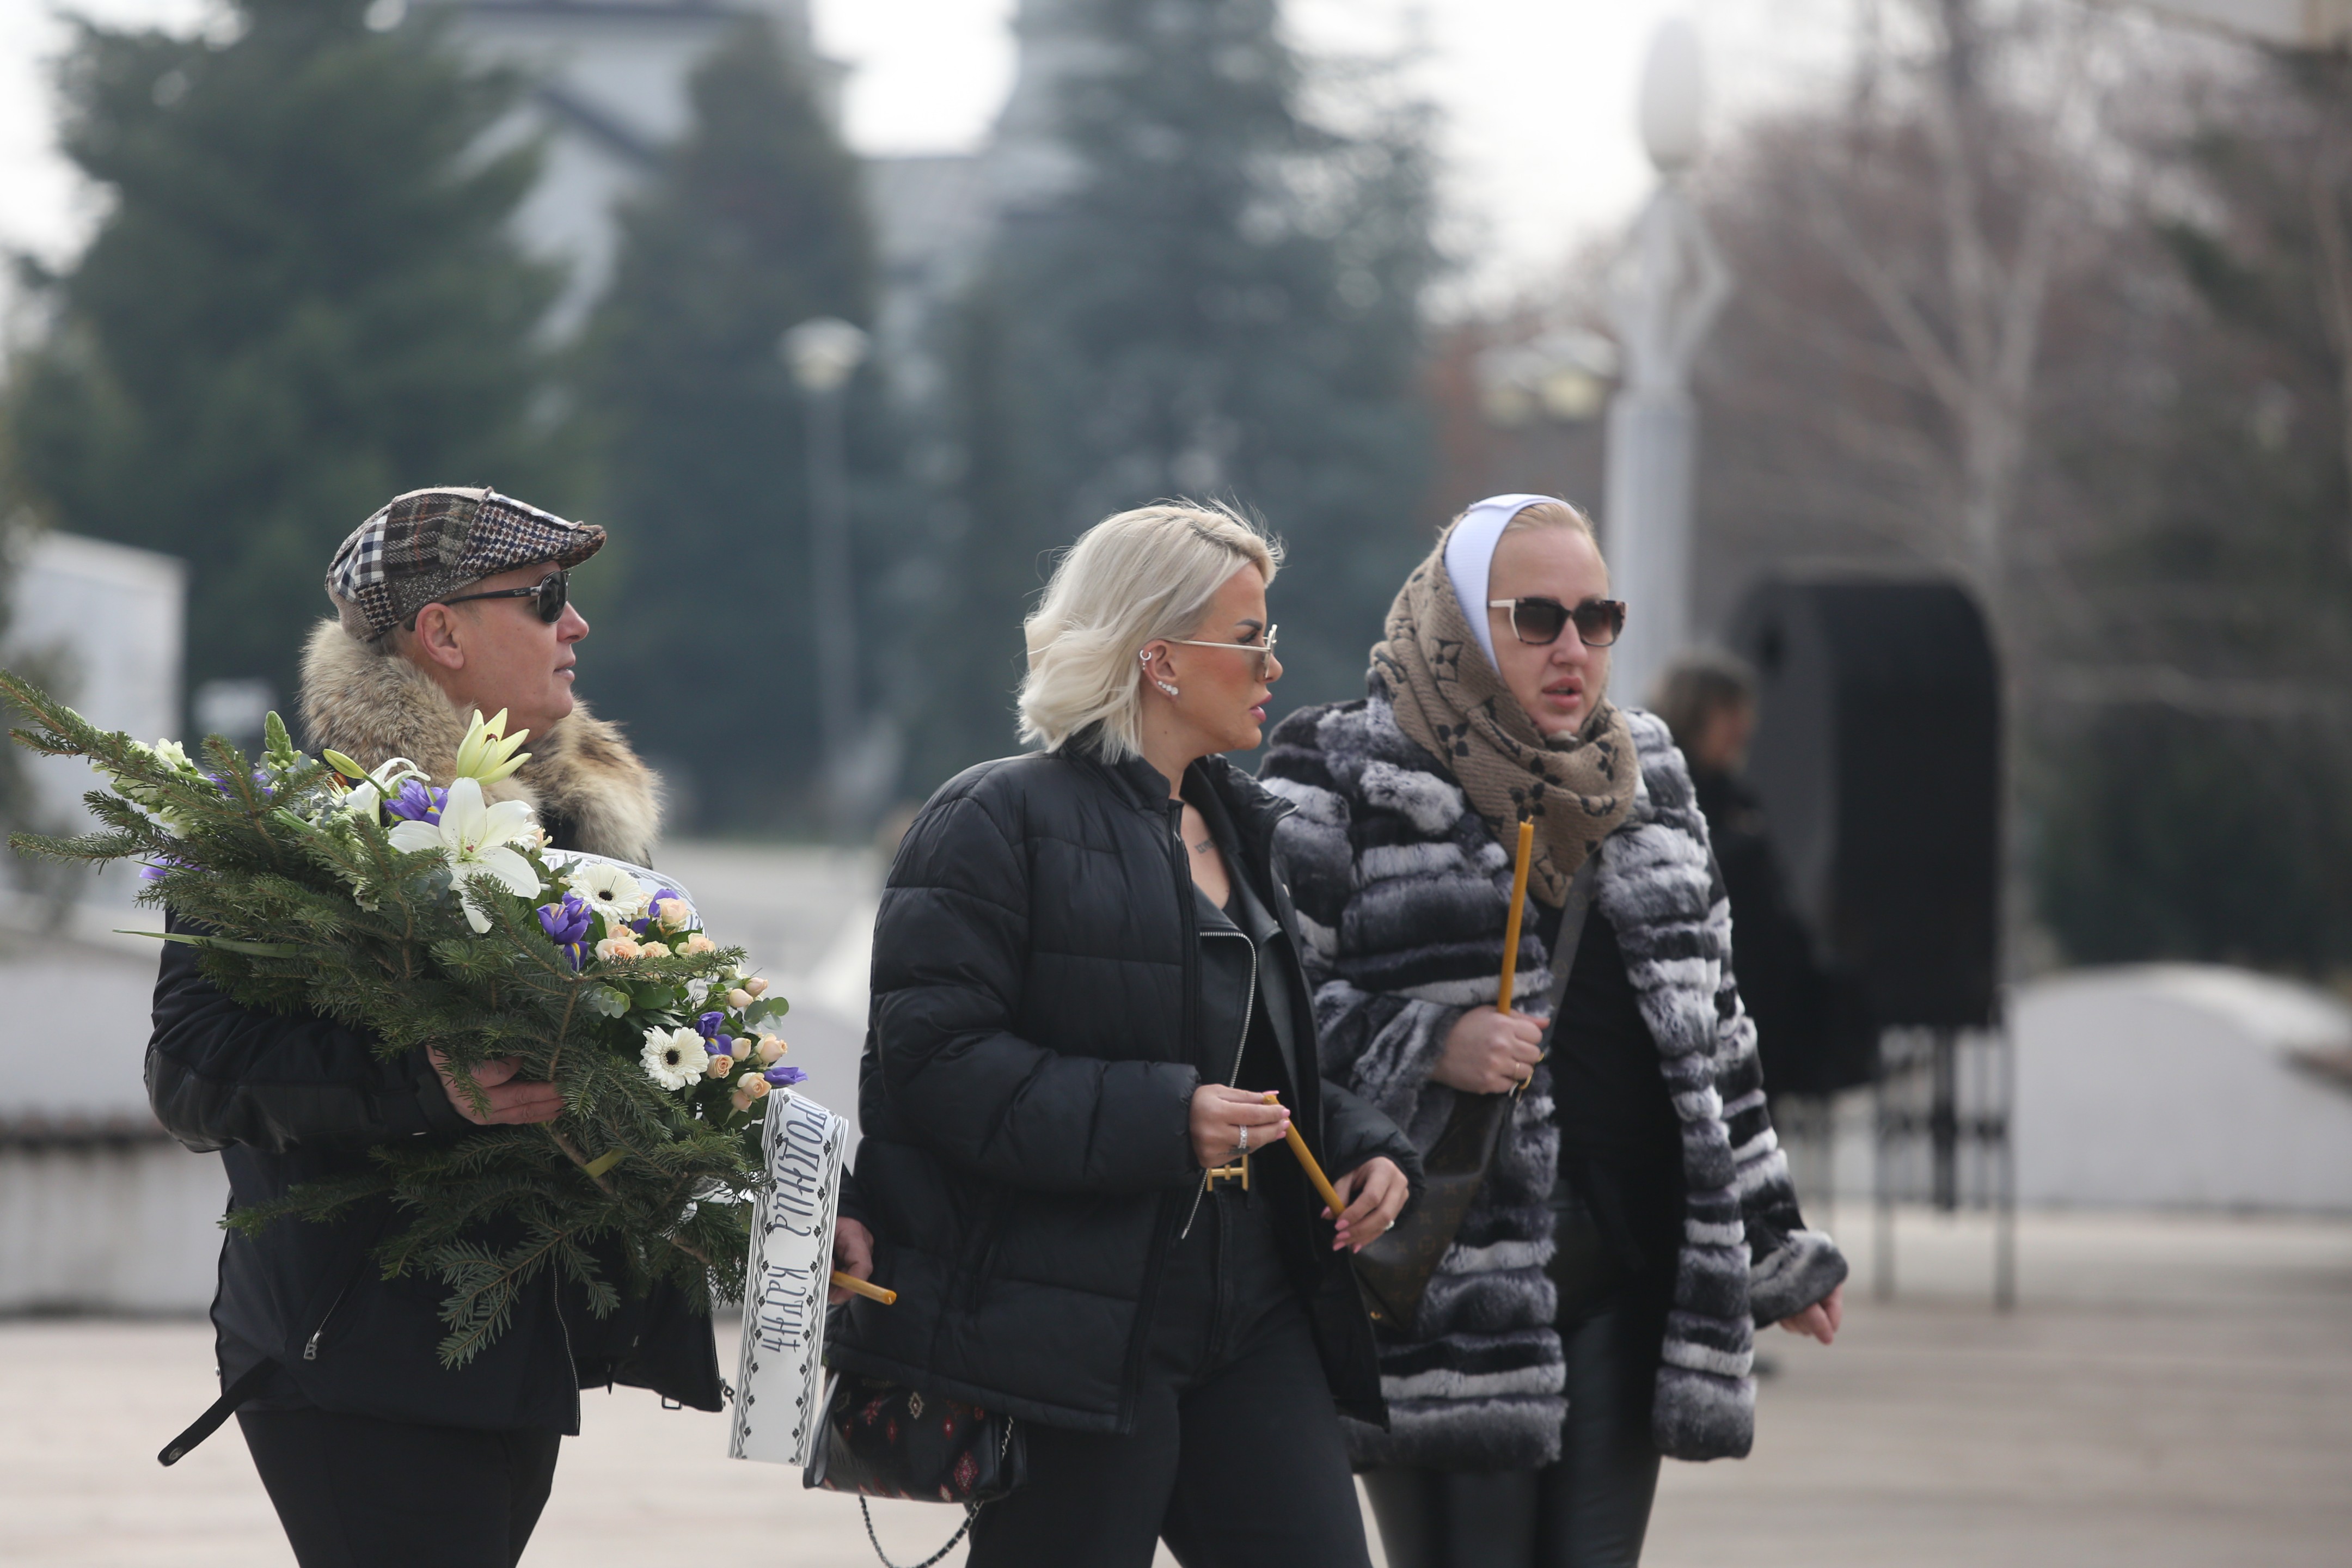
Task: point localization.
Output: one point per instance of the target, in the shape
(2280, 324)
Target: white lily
(487, 752)
(386, 779)
(474, 837)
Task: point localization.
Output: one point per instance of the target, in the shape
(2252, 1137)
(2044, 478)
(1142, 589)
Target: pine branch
(300, 907)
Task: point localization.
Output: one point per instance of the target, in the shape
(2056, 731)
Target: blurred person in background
(1636, 1223)
(1087, 983)
(1813, 1030)
(447, 601)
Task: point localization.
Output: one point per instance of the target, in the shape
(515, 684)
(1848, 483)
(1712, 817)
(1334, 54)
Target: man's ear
(435, 642)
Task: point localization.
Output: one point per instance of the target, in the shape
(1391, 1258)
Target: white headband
(1470, 554)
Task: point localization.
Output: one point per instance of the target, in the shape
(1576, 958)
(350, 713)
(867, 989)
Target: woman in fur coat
(1598, 1306)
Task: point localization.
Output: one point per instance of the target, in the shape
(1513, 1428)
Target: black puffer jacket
(1027, 1086)
(294, 1098)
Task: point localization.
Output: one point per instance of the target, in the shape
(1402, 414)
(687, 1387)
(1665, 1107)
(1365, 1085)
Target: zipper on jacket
(1241, 1049)
(310, 1345)
(571, 1367)
(1180, 866)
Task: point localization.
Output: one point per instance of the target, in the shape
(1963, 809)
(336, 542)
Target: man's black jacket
(292, 1099)
(1026, 1090)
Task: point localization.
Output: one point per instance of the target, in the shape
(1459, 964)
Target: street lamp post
(1668, 286)
(823, 355)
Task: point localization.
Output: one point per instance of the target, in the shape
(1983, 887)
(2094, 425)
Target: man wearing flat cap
(446, 601)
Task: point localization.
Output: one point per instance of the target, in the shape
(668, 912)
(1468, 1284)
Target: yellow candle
(856, 1287)
(1323, 1187)
(1518, 903)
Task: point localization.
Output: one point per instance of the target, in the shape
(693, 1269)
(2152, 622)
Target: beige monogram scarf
(1450, 700)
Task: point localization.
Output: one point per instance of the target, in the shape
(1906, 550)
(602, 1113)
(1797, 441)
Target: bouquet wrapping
(433, 918)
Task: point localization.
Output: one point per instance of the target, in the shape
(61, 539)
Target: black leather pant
(1235, 1459)
(1589, 1511)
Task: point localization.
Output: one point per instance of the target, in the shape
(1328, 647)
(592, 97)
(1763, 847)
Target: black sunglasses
(547, 599)
(1539, 622)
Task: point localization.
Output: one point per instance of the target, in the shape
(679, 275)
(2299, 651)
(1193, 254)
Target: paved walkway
(2170, 1392)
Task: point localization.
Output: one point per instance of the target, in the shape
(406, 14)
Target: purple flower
(567, 923)
(261, 781)
(416, 802)
(708, 1025)
(784, 1077)
(720, 1046)
(645, 923)
(567, 920)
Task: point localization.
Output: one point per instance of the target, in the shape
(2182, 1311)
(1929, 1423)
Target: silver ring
(1245, 1148)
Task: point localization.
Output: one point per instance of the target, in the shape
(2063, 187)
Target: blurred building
(99, 1208)
(609, 89)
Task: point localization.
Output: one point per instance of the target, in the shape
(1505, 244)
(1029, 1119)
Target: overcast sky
(1537, 96)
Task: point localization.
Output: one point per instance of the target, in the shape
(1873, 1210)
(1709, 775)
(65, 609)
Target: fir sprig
(296, 906)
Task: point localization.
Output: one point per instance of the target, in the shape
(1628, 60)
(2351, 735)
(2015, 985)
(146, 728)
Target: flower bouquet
(430, 916)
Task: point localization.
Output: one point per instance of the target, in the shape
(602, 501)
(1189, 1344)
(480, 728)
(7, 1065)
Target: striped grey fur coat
(1402, 894)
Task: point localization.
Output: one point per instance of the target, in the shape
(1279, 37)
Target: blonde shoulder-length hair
(1142, 574)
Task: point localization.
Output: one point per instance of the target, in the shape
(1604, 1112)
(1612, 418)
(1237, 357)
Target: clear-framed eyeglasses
(1265, 650)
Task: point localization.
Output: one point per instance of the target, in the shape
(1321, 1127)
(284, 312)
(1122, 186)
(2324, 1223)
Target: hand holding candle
(1383, 1196)
(853, 1258)
(1494, 1050)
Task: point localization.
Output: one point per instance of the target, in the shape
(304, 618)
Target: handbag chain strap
(971, 1512)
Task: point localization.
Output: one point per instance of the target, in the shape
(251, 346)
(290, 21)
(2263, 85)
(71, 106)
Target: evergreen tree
(1223, 299)
(2208, 816)
(753, 223)
(304, 300)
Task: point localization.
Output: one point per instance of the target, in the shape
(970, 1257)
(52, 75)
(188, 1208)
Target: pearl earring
(1144, 659)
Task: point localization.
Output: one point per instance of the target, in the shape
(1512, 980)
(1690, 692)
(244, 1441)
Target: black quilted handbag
(886, 1440)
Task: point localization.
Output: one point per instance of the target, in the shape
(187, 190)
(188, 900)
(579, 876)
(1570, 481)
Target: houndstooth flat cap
(430, 543)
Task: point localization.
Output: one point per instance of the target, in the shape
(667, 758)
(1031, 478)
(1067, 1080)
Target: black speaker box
(1877, 756)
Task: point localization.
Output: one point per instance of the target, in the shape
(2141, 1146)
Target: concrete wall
(103, 1226)
(2174, 1085)
(102, 626)
(99, 1210)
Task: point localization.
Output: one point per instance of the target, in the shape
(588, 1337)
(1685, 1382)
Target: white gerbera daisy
(674, 1058)
(610, 891)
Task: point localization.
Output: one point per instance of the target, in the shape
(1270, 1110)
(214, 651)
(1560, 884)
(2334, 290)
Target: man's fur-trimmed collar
(375, 707)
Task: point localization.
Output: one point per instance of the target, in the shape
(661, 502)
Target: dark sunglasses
(1539, 622)
(547, 599)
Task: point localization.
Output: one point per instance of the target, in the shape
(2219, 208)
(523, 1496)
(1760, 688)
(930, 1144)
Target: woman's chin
(1561, 726)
